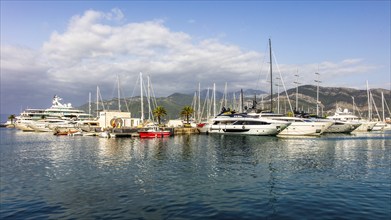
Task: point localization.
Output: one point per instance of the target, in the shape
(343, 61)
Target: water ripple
(195, 177)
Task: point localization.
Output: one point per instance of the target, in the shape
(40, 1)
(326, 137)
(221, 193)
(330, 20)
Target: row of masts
(150, 99)
(209, 108)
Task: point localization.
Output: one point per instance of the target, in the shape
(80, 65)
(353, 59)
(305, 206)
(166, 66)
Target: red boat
(154, 132)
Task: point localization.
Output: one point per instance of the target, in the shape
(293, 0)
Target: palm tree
(159, 112)
(12, 118)
(187, 111)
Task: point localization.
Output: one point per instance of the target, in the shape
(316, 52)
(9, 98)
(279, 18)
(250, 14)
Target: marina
(185, 110)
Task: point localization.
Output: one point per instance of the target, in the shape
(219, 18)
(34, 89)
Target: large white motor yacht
(298, 126)
(243, 124)
(26, 120)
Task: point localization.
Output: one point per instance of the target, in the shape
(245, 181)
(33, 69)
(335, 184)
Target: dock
(183, 131)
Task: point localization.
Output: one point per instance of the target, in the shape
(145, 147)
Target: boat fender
(118, 122)
(112, 123)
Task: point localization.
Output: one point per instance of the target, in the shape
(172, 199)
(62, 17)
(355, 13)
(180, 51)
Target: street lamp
(317, 94)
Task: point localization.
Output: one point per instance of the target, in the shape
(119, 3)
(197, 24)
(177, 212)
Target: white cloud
(97, 46)
(92, 46)
(332, 74)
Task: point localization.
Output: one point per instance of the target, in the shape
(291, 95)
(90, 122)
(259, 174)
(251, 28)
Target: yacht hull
(305, 129)
(343, 127)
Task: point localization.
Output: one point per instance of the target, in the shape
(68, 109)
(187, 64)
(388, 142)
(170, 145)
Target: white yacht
(243, 124)
(303, 127)
(380, 126)
(338, 126)
(48, 124)
(346, 127)
(345, 115)
(65, 111)
(22, 124)
(27, 117)
(56, 111)
(298, 126)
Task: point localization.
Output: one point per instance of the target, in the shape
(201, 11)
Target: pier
(182, 131)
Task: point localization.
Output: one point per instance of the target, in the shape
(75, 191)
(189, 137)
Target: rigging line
(134, 89)
(358, 110)
(112, 93)
(205, 104)
(374, 104)
(194, 103)
(124, 97)
(145, 90)
(101, 99)
(258, 82)
(385, 102)
(153, 96)
(283, 83)
(149, 97)
(154, 100)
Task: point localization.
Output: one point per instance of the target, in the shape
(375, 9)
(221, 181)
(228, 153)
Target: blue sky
(70, 47)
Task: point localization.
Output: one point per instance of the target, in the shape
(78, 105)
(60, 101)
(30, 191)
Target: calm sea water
(195, 177)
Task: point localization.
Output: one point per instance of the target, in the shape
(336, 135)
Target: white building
(121, 119)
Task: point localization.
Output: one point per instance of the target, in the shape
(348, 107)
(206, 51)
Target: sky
(68, 48)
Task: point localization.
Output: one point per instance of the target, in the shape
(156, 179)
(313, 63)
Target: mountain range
(329, 98)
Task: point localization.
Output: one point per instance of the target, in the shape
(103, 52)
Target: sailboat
(153, 132)
(381, 124)
(150, 131)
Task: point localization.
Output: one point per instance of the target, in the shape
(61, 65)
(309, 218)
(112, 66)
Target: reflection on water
(216, 176)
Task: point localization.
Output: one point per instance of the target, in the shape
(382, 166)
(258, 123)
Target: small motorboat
(154, 132)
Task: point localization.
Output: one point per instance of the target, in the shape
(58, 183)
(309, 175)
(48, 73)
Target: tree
(12, 118)
(159, 112)
(187, 111)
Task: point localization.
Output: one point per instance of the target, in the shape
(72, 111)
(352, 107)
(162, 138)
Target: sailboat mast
(214, 99)
(207, 105)
(271, 75)
(225, 95)
(241, 100)
(369, 104)
(353, 106)
(141, 97)
(149, 98)
(97, 101)
(382, 106)
(119, 95)
(89, 104)
(199, 102)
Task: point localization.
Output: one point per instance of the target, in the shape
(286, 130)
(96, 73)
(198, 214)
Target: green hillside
(329, 97)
